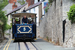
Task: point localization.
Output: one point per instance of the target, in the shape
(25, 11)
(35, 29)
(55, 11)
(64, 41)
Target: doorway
(64, 22)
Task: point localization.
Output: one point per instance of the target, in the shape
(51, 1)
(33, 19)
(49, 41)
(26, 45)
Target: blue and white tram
(23, 31)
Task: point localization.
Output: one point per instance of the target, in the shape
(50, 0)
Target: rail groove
(26, 46)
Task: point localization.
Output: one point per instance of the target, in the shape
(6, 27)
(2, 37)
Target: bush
(3, 19)
(46, 9)
(1, 23)
(47, 6)
(8, 27)
(71, 13)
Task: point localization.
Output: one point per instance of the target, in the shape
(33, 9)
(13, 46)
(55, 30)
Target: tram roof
(23, 14)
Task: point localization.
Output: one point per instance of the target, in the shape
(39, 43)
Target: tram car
(23, 31)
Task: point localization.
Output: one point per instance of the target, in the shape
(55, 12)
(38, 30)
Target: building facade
(38, 9)
(8, 8)
(34, 6)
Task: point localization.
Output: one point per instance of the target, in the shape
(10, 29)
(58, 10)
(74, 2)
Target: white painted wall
(35, 10)
(35, 1)
(9, 20)
(26, 6)
(27, 11)
(32, 10)
(42, 8)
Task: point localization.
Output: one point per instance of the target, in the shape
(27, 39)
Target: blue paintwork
(24, 29)
(13, 29)
(18, 34)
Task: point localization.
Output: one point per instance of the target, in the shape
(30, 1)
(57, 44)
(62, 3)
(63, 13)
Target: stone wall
(51, 24)
(69, 28)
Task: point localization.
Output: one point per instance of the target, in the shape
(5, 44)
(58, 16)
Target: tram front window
(28, 20)
(25, 20)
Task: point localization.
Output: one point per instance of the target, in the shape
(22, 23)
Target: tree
(3, 17)
(3, 4)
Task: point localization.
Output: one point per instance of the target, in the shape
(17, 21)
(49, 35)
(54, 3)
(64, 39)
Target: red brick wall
(12, 1)
(30, 2)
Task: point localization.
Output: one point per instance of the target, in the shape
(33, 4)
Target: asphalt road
(38, 44)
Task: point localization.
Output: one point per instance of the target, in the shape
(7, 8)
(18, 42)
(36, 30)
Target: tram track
(19, 45)
(34, 45)
(26, 46)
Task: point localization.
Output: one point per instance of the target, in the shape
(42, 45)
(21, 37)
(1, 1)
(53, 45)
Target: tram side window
(30, 20)
(16, 21)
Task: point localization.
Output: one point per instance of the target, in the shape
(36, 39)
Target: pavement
(43, 45)
(39, 44)
(49, 46)
(3, 43)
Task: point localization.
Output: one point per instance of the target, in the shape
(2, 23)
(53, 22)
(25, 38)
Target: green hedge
(71, 13)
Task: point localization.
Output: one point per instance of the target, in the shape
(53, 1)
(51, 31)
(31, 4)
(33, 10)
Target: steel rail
(34, 45)
(26, 46)
(19, 45)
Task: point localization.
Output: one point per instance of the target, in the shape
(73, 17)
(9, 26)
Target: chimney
(30, 2)
(14, 5)
(12, 1)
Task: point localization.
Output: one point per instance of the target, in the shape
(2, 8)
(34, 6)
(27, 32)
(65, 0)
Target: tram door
(64, 22)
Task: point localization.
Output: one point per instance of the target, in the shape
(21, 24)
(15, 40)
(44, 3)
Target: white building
(37, 8)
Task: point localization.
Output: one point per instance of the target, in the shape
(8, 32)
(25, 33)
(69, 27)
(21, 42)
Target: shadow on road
(23, 41)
